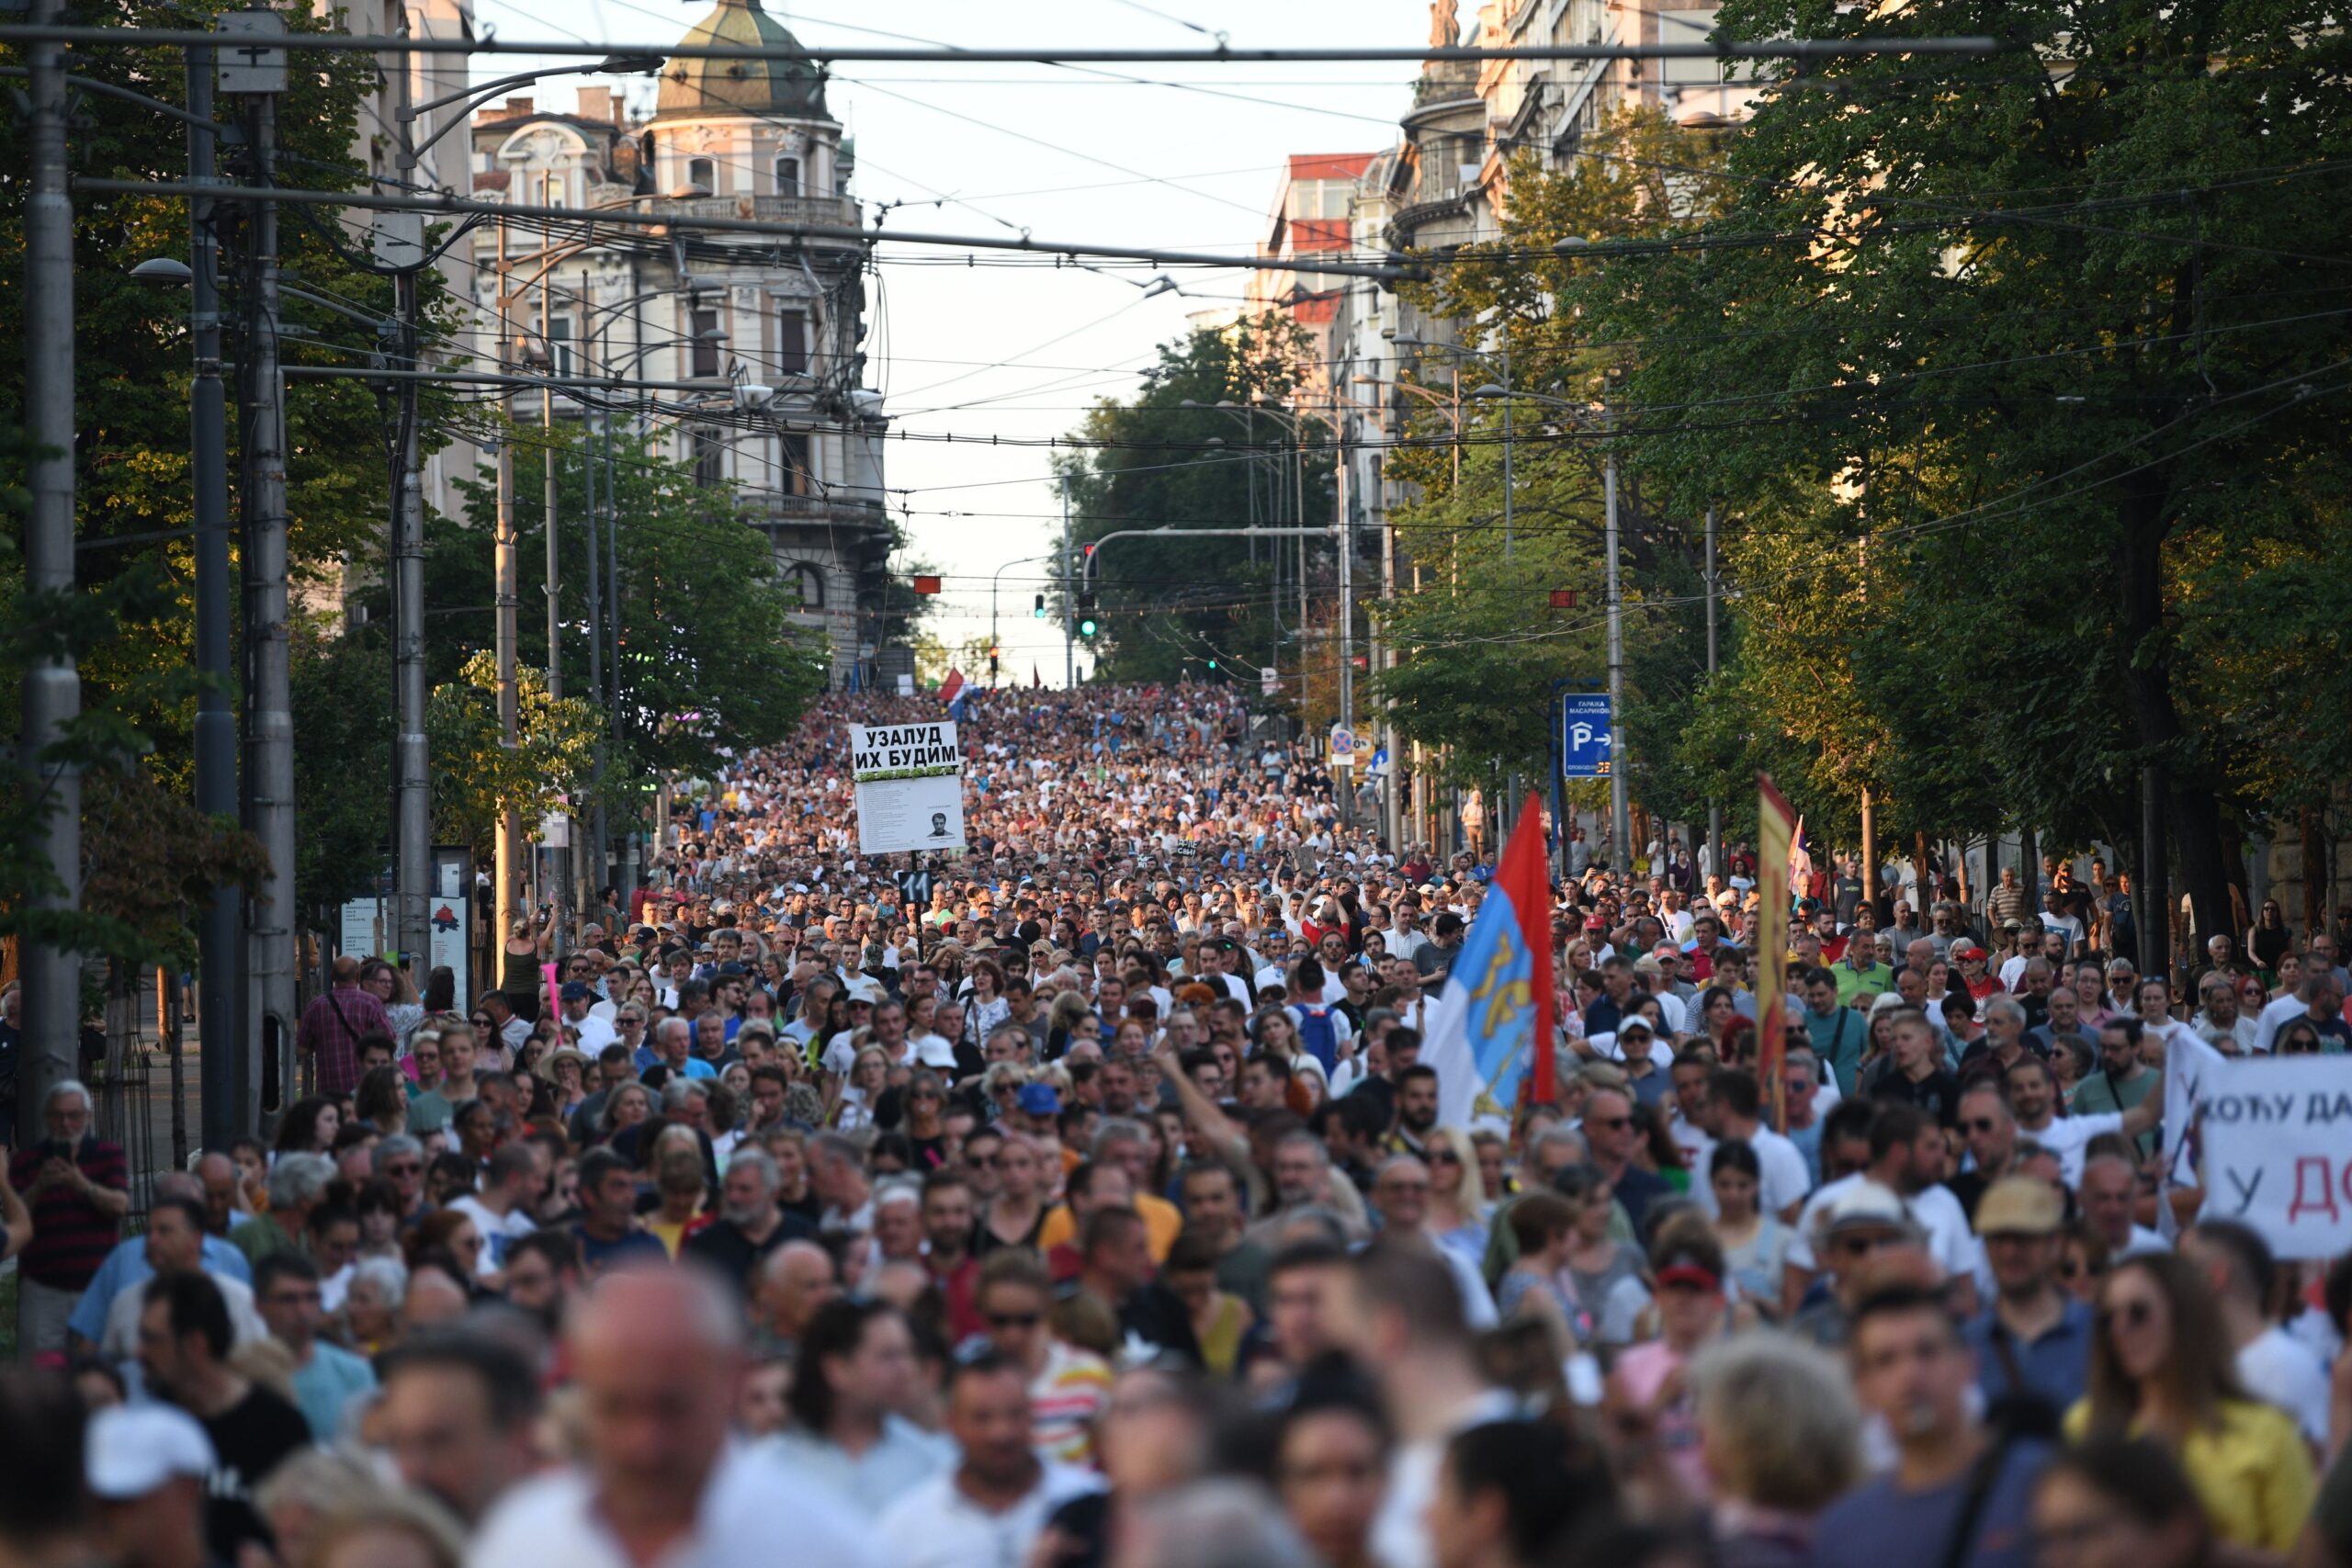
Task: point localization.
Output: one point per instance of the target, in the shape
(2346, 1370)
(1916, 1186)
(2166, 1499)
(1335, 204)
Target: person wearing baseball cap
(1686, 1265)
(2033, 1343)
(146, 1465)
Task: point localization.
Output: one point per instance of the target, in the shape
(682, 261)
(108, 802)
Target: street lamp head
(628, 66)
(690, 191)
(711, 334)
(1215, 441)
(1570, 242)
(162, 272)
(1367, 381)
(1227, 403)
(1492, 389)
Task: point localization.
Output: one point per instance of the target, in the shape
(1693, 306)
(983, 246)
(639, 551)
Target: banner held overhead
(909, 780)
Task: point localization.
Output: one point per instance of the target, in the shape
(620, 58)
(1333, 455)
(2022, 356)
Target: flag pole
(1776, 841)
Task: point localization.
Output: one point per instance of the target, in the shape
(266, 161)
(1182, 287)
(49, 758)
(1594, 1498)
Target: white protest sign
(2276, 1136)
(909, 780)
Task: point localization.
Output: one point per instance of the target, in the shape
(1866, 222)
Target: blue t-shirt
(596, 1257)
(325, 1388)
(1879, 1523)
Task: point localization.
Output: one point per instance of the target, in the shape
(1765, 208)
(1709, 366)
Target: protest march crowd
(1101, 1209)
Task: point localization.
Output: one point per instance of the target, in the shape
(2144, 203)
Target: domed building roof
(700, 89)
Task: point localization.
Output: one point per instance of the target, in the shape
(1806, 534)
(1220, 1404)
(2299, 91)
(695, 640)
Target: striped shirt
(1065, 1397)
(70, 1235)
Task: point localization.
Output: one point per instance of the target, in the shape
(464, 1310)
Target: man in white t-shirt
(1733, 1108)
(1906, 1149)
(657, 1356)
(2033, 1101)
(501, 1211)
(595, 1034)
(993, 1504)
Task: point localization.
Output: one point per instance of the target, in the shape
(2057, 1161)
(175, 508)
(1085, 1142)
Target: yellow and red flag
(1776, 837)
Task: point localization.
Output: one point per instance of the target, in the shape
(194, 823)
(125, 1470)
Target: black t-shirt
(250, 1440)
(724, 1246)
(1937, 1094)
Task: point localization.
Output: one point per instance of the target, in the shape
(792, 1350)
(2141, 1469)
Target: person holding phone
(76, 1186)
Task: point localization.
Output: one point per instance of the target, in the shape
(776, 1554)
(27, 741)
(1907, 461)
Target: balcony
(838, 211)
(784, 506)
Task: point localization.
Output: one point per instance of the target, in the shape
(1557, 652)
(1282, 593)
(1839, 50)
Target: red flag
(950, 687)
(1035, 680)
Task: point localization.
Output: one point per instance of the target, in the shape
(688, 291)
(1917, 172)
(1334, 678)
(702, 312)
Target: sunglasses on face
(1013, 1319)
(2131, 1315)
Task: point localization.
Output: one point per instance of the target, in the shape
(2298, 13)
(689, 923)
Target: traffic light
(1087, 625)
(1086, 583)
(993, 664)
(1040, 611)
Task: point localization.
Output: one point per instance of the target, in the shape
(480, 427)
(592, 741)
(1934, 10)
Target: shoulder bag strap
(1986, 1471)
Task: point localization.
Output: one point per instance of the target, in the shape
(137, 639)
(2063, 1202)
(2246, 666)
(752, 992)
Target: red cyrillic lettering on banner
(2302, 1185)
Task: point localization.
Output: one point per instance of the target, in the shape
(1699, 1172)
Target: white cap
(128, 1450)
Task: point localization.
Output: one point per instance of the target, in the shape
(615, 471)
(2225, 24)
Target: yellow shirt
(1162, 1222)
(2251, 1472)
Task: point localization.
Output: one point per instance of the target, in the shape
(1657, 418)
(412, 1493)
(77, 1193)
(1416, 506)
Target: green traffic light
(1086, 628)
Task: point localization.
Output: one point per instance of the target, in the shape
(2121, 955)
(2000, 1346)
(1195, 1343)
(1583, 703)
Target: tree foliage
(1167, 607)
(2027, 390)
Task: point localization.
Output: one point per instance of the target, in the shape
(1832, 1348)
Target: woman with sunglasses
(2298, 1039)
(925, 1100)
(2269, 939)
(1458, 1212)
(2160, 1367)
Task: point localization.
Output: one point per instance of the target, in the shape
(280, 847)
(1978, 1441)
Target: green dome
(697, 89)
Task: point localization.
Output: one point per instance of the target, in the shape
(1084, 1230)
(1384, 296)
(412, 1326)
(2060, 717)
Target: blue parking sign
(1587, 736)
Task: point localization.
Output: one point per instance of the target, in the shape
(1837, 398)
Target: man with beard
(1416, 1111)
(542, 1271)
(457, 1416)
(749, 1224)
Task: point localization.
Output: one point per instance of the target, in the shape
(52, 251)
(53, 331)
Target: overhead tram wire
(1222, 55)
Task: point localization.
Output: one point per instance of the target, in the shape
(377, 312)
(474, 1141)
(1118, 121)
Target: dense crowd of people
(1099, 1211)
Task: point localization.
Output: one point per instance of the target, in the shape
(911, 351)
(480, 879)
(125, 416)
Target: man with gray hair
(674, 1039)
(296, 1184)
(400, 1160)
(78, 1186)
(750, 1223)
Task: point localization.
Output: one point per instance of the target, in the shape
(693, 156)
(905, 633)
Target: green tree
(476, 776)
(1169, 606)
(1480, 647)
(2051, 336)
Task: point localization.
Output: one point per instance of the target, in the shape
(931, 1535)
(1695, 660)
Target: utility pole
(1714, 806)
(269, 729)
(221, 959)
(548, 475)
(53, 685)
(1069, 644)
(412, 814)
(1621, 830)
(508, 600)
(1346, 536)
(595, 846)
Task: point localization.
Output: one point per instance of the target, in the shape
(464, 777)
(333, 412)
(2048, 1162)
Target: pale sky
(1021, 350)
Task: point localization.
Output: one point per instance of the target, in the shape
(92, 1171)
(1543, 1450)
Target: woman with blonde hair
(869, 1076)
(1780, 1436)
(1458, 1212)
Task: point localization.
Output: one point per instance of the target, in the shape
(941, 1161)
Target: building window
(707, 343)
(793, 465)
(810, 580)
(792, 342)
(788, 176)
(703, 172)
(559, 345)
(709, 457)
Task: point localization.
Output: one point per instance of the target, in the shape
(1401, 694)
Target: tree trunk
(2147, 684)
(2315, 881)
